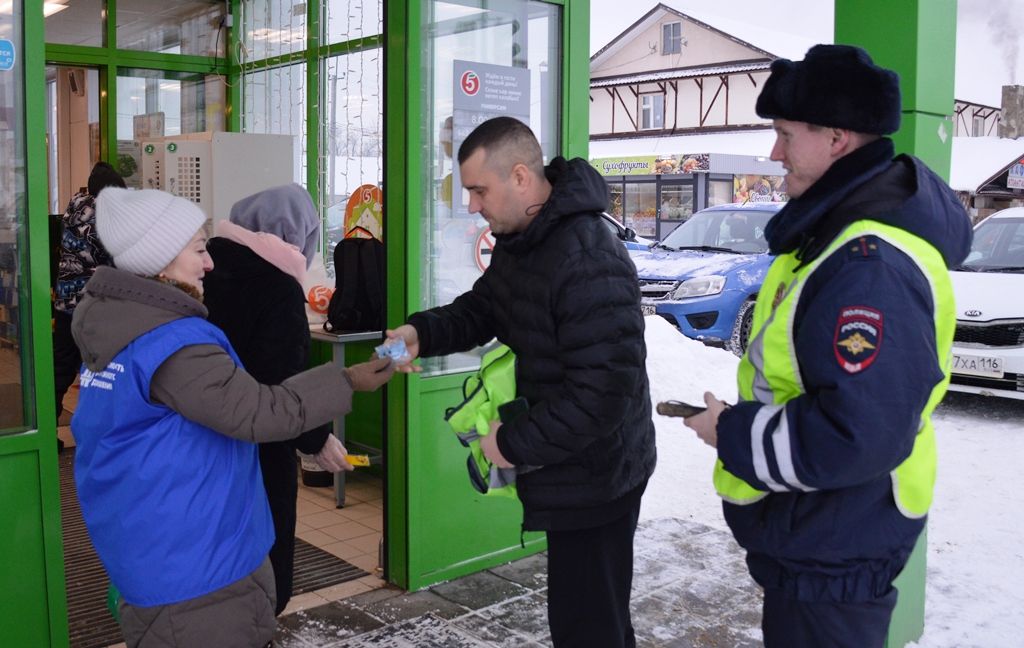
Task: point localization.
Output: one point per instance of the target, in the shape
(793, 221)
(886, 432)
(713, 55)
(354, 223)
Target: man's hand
(489, 444)
(368, 376)
(332, 456)
(412, 344)
(705, 424)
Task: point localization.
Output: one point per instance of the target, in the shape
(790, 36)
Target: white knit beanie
(145, 230)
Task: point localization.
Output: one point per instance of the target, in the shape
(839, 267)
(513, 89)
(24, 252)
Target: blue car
(705, 275)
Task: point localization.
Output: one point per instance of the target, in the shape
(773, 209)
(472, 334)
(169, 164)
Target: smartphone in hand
(679, 408)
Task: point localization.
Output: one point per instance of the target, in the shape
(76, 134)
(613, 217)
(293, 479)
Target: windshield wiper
(710, 248)
(666, 247)
(1004, 269)
(965, 268)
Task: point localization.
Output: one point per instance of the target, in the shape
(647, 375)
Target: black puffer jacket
(263, 312)
(563, 294)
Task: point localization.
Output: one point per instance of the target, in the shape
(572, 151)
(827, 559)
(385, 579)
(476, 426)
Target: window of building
(641, 208)
(73, 22)
(652, 111)
(152, 104)
(978, 127)
(184, 27)
(672, 38)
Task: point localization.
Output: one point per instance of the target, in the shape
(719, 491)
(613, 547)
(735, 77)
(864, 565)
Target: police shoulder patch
(862, 247)
(858, 337)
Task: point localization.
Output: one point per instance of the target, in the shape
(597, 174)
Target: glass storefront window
(182, 27)
(274, 102)
(615, 200)
(352, 137)
(474, 45)
(346, 20)
(641, 208)
(152, 104)
(74, 22)
(15, 343)
(272, 28)
(676, 206)
(720, 192)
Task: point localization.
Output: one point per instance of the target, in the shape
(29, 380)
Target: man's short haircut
(507, 142)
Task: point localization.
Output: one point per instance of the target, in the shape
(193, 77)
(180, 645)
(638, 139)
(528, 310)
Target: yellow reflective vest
(769, 371)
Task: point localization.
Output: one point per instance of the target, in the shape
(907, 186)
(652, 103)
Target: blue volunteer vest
(174, 509)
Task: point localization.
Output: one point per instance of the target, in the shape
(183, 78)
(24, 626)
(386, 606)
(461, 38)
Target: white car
(988, 350)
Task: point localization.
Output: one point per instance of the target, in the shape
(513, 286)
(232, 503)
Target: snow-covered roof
(976, 160)
(748, 142)
(650, 18)
(682, 73)
(751, 33)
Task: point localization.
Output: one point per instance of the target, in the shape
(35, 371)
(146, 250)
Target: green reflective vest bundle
(769, 371)
(483, 393)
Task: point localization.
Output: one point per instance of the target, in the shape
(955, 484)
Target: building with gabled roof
(669, 73)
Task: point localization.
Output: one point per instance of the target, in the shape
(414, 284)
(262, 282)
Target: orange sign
(364, 214)
(319, 297)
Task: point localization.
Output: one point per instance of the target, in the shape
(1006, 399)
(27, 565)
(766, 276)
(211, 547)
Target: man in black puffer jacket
(562, 293)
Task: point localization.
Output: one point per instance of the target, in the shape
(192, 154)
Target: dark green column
(917, 38)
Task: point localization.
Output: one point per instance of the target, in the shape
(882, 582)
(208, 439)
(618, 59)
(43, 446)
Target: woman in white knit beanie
(166, 429)
(154, 234)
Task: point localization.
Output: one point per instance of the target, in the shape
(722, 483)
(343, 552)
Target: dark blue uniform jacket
(846, 540)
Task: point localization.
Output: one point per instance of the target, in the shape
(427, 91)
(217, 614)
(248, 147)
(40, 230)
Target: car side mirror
(628, 234)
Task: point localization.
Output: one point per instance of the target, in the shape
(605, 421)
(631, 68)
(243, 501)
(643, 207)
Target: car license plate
(647, 309)
(970, 365)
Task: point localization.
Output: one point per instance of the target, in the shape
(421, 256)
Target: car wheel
(741, 329)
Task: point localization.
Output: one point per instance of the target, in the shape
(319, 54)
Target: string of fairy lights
(347, 99)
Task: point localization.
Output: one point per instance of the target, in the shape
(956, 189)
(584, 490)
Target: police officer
(827, 464)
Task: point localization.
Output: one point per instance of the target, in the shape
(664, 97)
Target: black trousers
(590, 574)
(280, 479)
(67, 360)
(816, 624)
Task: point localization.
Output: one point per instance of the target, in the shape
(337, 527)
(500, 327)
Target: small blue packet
(393, 348)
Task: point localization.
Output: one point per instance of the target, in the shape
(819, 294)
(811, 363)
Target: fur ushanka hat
(835, 85)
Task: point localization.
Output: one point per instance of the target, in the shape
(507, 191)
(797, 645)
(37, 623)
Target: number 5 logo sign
(470, 83)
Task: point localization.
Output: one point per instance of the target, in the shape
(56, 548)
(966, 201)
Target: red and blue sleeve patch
(858, 337)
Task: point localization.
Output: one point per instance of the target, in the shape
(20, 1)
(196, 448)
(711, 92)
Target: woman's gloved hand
(332, 456)
(368, 376)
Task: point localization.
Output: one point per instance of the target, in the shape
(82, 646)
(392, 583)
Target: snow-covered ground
(975, 589)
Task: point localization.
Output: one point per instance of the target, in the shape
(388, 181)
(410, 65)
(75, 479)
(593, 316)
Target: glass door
(485, 58)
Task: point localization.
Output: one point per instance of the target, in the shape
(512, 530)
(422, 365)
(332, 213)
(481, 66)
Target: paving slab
(690, 590)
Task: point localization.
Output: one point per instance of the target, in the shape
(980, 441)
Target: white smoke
(1005, 23)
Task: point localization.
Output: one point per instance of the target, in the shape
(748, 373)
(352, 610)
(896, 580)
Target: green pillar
(917, 39)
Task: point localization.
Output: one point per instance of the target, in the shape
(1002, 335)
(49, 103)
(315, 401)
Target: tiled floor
(352, 533)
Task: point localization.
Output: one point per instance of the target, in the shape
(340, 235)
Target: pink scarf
(284, 256)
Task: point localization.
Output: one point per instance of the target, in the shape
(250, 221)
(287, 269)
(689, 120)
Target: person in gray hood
(166, 428)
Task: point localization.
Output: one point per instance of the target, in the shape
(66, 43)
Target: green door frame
(33, 603)
(35, 607)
